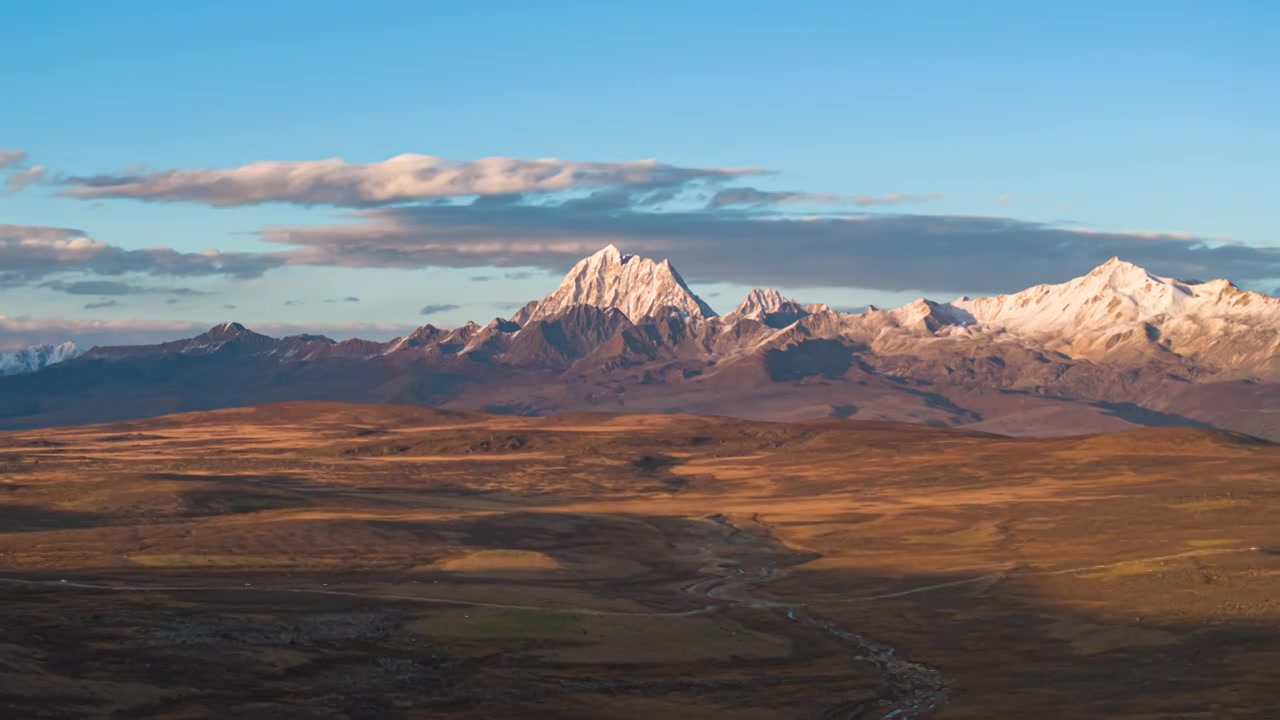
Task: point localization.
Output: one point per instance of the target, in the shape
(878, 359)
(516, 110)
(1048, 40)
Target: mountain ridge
(1114, 348)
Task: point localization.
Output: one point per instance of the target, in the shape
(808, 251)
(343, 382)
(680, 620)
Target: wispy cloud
(751, 197)
(20, 175)
(12, 158)
(101, 304)
(437, 309)
(114, 287)
(404, 178)
(748, 196)
(19, 179)
(30, 253)
(1003, 199)
(894, 199)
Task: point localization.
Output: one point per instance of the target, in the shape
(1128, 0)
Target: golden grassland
(327, 560)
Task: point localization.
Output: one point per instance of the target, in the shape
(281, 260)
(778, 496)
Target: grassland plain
(325, 560)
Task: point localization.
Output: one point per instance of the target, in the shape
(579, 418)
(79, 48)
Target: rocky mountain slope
(1115, 348)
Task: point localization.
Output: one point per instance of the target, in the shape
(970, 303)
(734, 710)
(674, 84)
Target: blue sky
(1149, 124)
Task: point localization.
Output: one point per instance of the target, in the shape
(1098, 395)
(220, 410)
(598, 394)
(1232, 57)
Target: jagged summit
(1120, 273)
(612, 252)
(773, 308)
(1114, 262)
(763, 300)
(612, 279)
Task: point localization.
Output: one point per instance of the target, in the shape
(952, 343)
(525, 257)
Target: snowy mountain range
(35, 357)
(1120, 305)
(1119, 346)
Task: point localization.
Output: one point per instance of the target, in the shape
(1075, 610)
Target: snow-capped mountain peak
(611, 253)
(1120, 307)
(612, 279)
(1114, 294)
(36, 357)
(1116, 264)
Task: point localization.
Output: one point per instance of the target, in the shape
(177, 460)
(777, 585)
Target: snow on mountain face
(36, 357)
(1119, 311)
(1114, 296)
(609, 279)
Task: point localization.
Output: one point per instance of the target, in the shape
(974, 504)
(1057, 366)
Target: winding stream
(916, 688)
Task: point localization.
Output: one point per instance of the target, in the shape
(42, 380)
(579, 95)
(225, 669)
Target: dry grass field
(342, 561)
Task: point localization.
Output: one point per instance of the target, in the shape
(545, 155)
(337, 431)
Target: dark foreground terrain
(324, 560)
